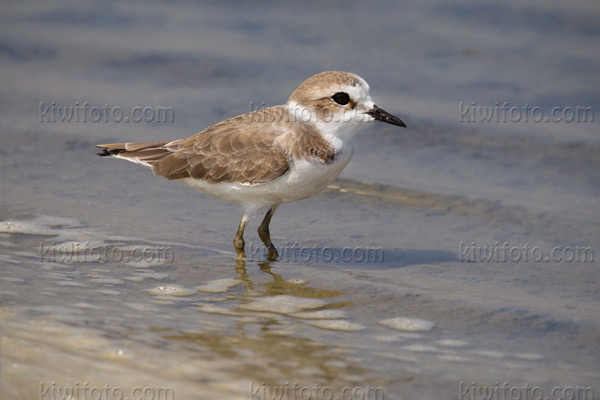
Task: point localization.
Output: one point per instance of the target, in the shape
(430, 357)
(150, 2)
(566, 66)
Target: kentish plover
(269, 156)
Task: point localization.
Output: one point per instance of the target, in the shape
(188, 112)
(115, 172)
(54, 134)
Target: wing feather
(242, 149)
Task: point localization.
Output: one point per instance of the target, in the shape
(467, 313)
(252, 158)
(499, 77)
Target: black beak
(381, 115)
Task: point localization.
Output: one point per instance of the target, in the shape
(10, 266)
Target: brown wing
(242, 149)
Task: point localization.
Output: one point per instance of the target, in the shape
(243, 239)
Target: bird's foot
(239, 244)
(241, 254)
(273, 254)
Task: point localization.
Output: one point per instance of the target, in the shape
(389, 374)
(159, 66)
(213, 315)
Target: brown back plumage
(241, 149)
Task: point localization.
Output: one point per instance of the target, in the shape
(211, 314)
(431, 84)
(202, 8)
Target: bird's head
(337, 103)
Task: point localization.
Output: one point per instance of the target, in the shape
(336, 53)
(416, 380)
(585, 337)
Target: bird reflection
(278, 285)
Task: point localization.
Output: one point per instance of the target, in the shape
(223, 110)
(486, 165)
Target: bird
(269, 156)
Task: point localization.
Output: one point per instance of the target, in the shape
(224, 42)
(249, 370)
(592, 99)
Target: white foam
(87, 306)
(219, 285)
(421, 348)
(283, 304)
(141, 307)
(321, 314)
(338, 325)
(528, 356)
(171, 291)
(388, 338)
(26, 228)
(134, 278)
(212, 309)
(407, 324)
(108, 281)
(42, 225)
(70, 283)
(407, 335)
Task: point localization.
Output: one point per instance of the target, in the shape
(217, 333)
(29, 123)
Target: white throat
(338, 131)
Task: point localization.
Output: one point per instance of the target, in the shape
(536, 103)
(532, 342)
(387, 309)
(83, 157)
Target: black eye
(341, 98)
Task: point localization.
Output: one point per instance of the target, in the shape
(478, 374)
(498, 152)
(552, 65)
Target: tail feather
(146, 153)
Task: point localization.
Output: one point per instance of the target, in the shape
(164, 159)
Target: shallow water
(378, 285)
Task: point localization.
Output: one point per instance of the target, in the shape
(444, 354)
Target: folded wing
(239, 150)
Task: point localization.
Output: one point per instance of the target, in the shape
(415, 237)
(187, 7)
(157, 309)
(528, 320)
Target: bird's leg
(238, 239)
(265, 235)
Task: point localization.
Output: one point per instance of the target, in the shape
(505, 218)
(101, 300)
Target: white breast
(304, 179)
